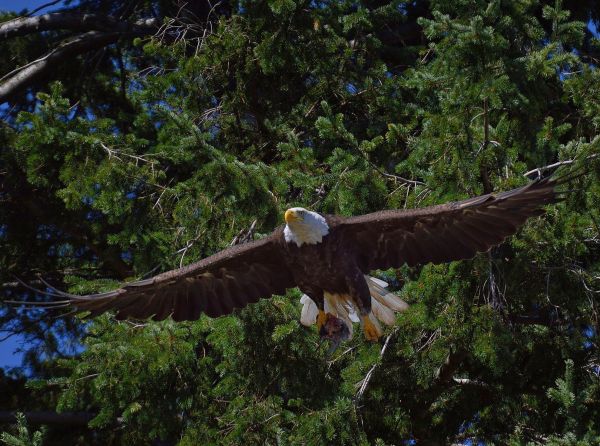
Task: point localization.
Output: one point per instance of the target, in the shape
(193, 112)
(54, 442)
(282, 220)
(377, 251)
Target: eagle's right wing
(451, 231)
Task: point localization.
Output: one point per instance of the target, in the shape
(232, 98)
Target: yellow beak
(291, 216)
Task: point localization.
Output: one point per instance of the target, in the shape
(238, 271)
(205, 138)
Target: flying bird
(328, 258)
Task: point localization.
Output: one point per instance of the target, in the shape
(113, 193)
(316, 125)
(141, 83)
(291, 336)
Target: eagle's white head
(303, 226)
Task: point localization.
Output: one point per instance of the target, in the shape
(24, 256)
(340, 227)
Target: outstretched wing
(451, 231)
(232, 278)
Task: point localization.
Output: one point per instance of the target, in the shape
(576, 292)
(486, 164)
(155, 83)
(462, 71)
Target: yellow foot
(321, 319)
(370, 330)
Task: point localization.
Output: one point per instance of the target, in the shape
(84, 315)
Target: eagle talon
(334, 330)
(321, 319)
(370, 330)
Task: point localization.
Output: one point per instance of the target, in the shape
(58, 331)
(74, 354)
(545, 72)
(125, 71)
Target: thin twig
(39, 8)
(539, 170)
(365, 381)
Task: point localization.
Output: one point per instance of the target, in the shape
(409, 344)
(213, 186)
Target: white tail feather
(379, 282)
(389, 300)
(383, 313)
(309, 311)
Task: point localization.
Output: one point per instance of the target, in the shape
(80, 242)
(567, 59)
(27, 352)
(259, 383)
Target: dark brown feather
(216, 285)
(446, 232)
(245, 273)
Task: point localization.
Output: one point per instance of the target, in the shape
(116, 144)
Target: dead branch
(117, 154)
(470, 382)
(365, 382)
(101, 31)
(245, 235)
(32, 71)
(538, 170)
(74, 22)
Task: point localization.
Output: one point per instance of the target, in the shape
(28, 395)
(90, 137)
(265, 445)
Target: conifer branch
(369, 375)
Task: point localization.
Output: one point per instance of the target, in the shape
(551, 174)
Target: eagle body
(329, 266)
(328, 258)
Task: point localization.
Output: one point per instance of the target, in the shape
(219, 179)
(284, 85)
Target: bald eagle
(328, 258)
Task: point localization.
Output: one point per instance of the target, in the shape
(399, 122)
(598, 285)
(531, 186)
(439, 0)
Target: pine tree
(341, 107)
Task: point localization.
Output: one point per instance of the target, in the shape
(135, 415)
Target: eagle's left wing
(232, 278)
(451, 231)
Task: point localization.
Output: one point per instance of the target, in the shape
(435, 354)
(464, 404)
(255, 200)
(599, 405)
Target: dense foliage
(342, 107)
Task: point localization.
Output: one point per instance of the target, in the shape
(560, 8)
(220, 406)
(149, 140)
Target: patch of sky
(471, 442)
(314, 4)
(60, 250)
(464, 426)
(214, 130)
(135, 86)
(310, 80)
(23, 6)
(46, 232)
(241, 9)
(4, 110)
(127, 64)
(131, 195)
(15, 345)
(3, 230)
(89, 114)
(589, 333)
(593, 28)
(126, 256)
(402, 7)
(11, 353)
(351, 88)
(81, 252)
(93, 215)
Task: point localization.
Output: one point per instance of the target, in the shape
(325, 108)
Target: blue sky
(19, 5)
(9, 357)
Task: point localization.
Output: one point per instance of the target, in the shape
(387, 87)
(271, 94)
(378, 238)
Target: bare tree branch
(470, 382)
(32, 71)
(538, 171)
(100, 31)
(365, 382)
(75, 22)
